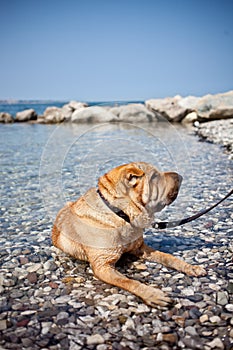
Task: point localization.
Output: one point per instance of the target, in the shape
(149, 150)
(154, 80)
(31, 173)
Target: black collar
(115, 210)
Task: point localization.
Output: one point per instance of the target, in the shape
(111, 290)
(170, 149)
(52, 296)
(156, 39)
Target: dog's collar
(115, 210)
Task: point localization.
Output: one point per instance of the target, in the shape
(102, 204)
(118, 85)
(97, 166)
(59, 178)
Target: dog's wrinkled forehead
(147, 167)
(139, 168)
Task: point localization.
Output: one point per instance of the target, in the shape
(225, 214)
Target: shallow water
(43, 166)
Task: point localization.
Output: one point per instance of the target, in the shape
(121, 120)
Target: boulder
(190, 118)
(213, 107)
(76, 105)
(94, 114)
(169, 108)
(26, 115)
(67, 112)
(69, 108)
(208, 107)
(189, 102)
(221, 112)
(52, 115)
(209, 101)
(6, 118)
(134, 112)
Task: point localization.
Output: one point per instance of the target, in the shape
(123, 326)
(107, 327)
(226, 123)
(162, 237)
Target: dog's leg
(170, 261)
(151, 296)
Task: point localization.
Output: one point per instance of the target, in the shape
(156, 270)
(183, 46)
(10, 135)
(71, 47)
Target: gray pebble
(43, 307)
(222, 298)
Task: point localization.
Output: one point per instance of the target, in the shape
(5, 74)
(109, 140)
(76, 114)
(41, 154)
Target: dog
(106, 222)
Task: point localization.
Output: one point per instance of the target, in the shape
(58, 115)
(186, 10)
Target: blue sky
(101, 50)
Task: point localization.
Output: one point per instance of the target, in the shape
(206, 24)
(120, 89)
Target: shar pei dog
(108, 221)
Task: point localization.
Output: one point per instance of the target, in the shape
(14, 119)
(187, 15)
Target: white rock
(6, 118)
(3, 325)
(134, 112)
(94, 114)
(215, 319)
(63, 299)
(53, 115)
(76, 105)
(188, 291)
(203, 318)
(216, 343)
(128, 324)
(95, 339)
(45, 327)
(222, 298)
(229, 307)
(190, 118)
(34, 267)
(26, 115)
(170, 108)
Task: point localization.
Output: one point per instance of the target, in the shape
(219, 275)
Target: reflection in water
(77, 155)
(44, 166)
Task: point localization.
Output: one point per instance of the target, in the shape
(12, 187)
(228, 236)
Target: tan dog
(105, 223)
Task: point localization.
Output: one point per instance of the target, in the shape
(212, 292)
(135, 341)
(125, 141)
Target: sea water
(44, 166)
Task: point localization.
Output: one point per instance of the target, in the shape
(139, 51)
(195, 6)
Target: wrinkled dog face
(154, 189)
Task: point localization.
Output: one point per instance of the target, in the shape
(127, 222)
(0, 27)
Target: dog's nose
(176, 177)
(180, 179)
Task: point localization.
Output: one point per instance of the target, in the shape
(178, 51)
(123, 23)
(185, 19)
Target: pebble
(204, 318)
(49, 300)
(218, 131)
(229, 307)
(95, 339)
(34, 267)
(222, 298)
(215, 319)
(32, 277)
(216, 343)
(191, 330)
(3, 325)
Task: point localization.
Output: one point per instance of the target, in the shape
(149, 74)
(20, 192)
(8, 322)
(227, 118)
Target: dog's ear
(132, 175)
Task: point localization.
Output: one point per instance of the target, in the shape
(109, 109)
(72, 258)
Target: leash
(166, 224)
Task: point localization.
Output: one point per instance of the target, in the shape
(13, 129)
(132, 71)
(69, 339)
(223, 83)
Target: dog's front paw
(154, 297)
(195, 270)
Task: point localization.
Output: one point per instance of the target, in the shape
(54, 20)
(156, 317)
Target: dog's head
(140, 185)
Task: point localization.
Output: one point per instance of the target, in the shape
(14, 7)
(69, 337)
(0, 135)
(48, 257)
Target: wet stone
(229, 307)
(62, 318)
(32, 277)
(222, 298)
(49, 300)
(216, 343)
(95, 339)
(195, 298)
(3, 325)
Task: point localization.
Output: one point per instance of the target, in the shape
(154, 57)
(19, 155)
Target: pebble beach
(50, 301)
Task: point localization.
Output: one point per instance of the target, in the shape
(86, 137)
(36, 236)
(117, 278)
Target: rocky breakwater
(175, 109)
(193, 109)
(78, 112)
(212, 115)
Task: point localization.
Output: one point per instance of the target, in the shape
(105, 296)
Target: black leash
(166, 224)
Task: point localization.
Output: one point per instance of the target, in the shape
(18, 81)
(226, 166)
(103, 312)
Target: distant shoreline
(90, 103)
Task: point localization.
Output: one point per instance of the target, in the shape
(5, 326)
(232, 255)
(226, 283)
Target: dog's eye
(132, 177)
(133, 180)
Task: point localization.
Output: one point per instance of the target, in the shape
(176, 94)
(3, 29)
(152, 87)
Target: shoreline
(210, 115)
